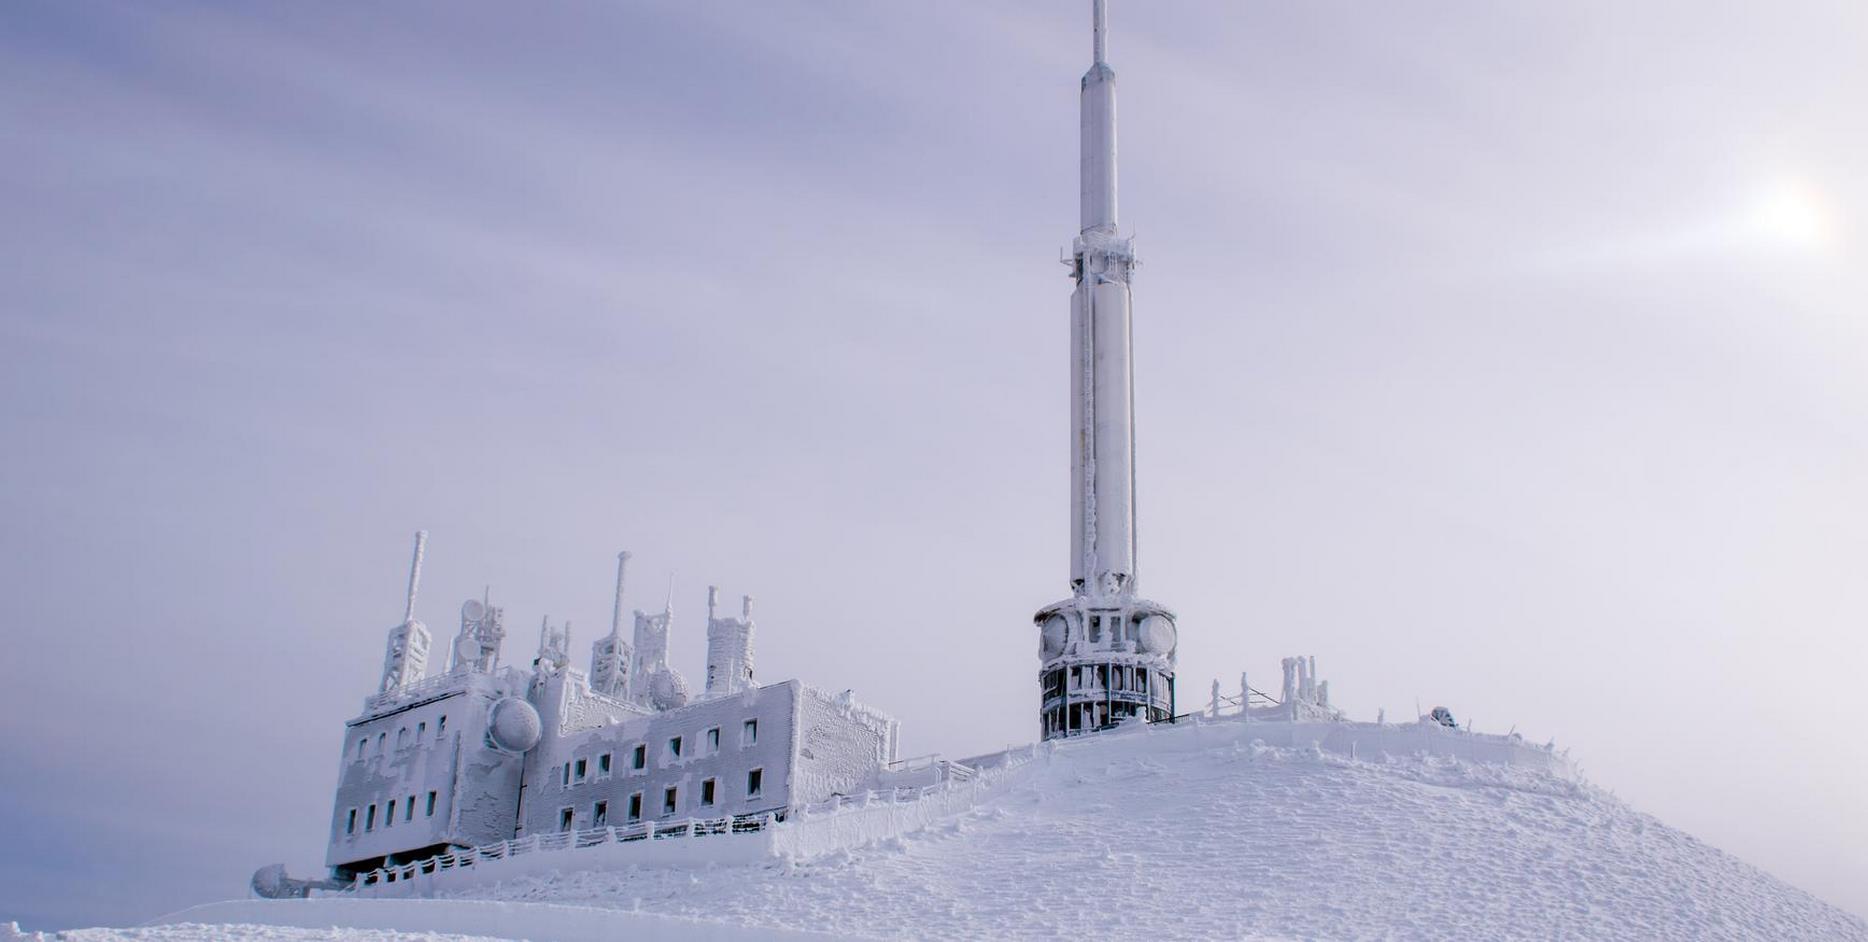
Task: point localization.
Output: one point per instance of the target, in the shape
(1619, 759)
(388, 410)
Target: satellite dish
(472, 610)
(1158, 635)
(1051, 636)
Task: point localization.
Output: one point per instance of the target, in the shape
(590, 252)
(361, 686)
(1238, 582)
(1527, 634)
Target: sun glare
(1792, 213)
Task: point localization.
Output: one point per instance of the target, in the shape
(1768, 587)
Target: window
(369, 819)
(389, 813)
(713, 740)
(583, 768)
(603, 766)
(431, 804)
(408, 811)
(755, 783)
(421, 729)
(566, 817)
(635, 807)
(402, 737)
(674, 748)
(641, 758)
(441, 725)
(382, 743)
(361, 743)
(706, 793)
(564, 780)
(350, 826)
(670, 799)
(600, 815)
(749, 733)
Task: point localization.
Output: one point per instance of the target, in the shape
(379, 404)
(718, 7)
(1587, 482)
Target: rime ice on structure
(484, 753)
(407, 656)
(1107, 655)
(610, 668)
(729, 648)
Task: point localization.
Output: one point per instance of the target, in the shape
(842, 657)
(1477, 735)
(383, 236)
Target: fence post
(1214, 708)
(1245, 699)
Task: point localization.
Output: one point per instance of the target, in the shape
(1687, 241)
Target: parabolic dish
(1158, 635)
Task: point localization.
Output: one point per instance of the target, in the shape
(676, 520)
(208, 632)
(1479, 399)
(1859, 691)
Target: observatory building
(1106, 653)
(481, 752)
(475, 753)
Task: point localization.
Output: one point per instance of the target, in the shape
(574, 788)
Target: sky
(1507, 357)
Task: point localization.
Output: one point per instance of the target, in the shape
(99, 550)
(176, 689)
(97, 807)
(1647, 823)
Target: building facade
(481, 752)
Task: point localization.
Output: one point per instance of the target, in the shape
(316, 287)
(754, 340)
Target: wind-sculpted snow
(1201, 833)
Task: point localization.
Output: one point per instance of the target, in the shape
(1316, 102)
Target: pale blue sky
(1509, 357)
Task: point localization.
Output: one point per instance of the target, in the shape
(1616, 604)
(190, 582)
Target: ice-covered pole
(1102, 386)
(616, 614)
(415, 574)
(1099, 133)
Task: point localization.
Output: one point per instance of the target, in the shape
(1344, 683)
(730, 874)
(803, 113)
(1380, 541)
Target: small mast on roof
(1106, 654)
(405, 659)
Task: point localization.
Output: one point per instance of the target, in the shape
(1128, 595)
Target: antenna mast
(415, 574)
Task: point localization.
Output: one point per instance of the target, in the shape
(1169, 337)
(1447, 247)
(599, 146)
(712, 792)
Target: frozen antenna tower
(610, 657)
(406, 658)
(1106, 654)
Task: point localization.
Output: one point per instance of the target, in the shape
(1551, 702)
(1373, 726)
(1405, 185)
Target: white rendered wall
(476, 787)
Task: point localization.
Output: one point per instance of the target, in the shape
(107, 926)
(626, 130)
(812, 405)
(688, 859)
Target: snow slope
(1198, 832)
(1182, 832)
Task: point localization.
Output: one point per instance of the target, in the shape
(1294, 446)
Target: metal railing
(957, 776)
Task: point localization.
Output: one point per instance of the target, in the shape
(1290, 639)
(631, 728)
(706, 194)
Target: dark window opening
(431, 805)
(600, 815)
(755, 783)
(350, 826)
(749, 734)
(369, 819)
(583, 769)
(670, 800)
(603, 765)
(713, 740)
(706, 793)
(641, 757)
(566, 818)
(674, 747)
(635, 807)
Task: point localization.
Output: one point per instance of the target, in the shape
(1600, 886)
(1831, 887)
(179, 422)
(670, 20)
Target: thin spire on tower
(1100, 23)
(415, 575)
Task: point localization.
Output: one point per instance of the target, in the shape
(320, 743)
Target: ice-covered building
(480, 753)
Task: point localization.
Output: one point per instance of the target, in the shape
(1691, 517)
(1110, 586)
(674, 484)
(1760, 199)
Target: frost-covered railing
(420, 688)
(565, 840)
(838, 822)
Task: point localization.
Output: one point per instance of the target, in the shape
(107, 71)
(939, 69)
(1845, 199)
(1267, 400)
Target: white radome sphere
(513, 725)
(668, 690)
(1158, 635)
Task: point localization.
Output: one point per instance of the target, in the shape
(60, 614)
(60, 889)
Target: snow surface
(198, 932)
(1197, 832)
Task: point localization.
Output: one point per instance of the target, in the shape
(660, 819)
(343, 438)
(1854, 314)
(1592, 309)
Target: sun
(1791, 213)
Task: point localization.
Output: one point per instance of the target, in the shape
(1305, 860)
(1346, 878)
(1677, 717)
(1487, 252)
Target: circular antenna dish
(472, 610)
(1158, 635)
(1051, 636)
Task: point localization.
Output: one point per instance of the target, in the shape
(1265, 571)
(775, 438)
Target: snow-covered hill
(1202, 832)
